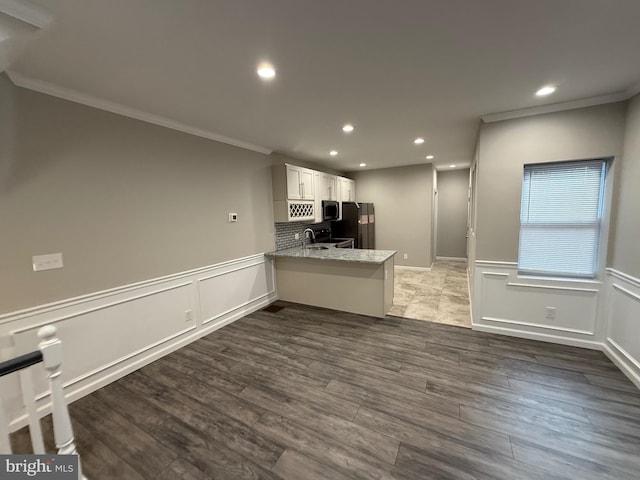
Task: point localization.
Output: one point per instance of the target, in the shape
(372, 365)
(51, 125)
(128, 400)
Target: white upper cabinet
(298, 192)
(347, 189)
(293, 194)
(317, 178)
(299, 183)
(329, 187)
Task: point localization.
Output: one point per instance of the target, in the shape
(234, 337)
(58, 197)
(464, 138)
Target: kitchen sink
(317, 247)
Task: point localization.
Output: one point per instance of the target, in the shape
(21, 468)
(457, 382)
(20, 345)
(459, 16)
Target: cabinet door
(339, 196)
(333, 188)
(342, 190)
(317, 178)
(329, 190)
(347, 190)
(306, 184)
(294, 183)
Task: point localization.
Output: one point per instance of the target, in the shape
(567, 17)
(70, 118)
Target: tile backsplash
(286, 231)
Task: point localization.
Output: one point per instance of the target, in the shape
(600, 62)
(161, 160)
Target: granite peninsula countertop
(357, 255)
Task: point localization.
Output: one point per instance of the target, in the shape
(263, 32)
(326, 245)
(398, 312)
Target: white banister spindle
(51, 348)
(29, 399)
(5, 444)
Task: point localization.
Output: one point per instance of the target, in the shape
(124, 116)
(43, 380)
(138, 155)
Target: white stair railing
(50, 353)
(51, 348)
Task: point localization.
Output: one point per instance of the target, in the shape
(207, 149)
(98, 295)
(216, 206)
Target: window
(560, 218)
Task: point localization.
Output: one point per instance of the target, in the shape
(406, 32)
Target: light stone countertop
(357, 255)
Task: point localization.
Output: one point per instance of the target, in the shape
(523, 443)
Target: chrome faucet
(313, 236)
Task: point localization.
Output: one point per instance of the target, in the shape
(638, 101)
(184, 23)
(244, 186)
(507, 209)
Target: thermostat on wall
(233, 217)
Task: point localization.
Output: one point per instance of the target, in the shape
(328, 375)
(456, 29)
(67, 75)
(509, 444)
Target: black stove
(323, 235)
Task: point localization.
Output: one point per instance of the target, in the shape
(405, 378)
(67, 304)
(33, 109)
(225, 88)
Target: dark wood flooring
(307, 393)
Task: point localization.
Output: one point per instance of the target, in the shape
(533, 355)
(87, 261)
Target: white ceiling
(396, 69)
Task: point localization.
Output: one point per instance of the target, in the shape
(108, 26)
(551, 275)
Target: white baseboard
(110, 334)
(623, 361)
(412, 269)
(455, 259)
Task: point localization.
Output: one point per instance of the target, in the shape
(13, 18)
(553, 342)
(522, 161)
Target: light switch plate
(47, 262)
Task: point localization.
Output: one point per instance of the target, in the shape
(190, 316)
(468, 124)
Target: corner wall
(403, 199)
(622, 330)
(504, 301)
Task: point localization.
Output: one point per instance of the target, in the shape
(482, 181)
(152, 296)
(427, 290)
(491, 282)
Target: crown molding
(101, 104)
(633, 90)
(559, 107)
(26, 12)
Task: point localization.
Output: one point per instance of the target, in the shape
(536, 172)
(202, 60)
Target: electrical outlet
(550, 313)
(297, 236)
(406, 256)
(233, 217)
(188, 315)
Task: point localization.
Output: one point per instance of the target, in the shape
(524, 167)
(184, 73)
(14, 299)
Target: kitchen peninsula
(352, 280)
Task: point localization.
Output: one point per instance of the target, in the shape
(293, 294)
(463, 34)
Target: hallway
(440, 295)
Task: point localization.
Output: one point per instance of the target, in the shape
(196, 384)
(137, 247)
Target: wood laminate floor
(308, 393)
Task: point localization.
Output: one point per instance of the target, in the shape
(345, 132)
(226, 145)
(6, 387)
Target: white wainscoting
(109, 334)
(508, 304)
(622, 333)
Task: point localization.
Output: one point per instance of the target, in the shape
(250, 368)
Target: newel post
(51, 348)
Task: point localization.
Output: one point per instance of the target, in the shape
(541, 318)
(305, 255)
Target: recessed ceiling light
(418, 141)
(452, 166)
(266, 71)
(363, 164)
(546, 90)
(333, 153)
(429, 157)
(348, 128)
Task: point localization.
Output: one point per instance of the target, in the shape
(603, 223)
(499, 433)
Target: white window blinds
(560, 218)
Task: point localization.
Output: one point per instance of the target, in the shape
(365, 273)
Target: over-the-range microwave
(330, 210)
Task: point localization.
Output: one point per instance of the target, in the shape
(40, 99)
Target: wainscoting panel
(223, 292)
(147, 320)
(512, 305)
(109, 334)
(622, 343)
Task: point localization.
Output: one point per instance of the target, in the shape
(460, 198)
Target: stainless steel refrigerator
(358, 222)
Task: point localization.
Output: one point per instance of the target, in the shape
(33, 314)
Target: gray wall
(506, 146)
(625, 230)
(453, 189)
(403, 198)
(123, 200)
